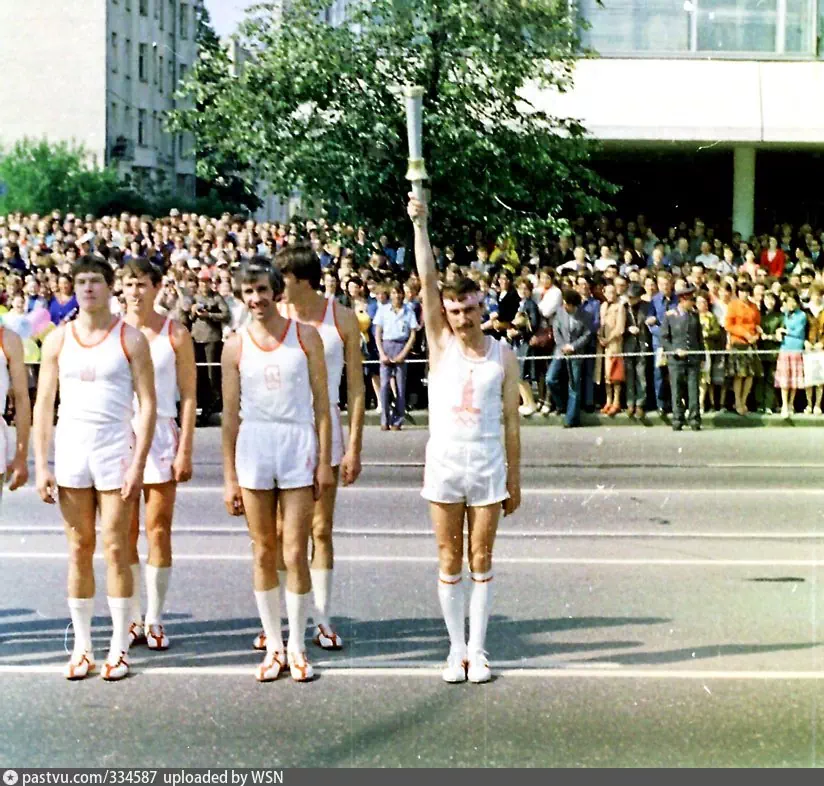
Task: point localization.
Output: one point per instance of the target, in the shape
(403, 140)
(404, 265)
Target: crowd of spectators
(584, 312)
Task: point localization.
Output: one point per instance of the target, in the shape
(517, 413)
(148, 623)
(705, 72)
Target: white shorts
(90, 456)
(276, 455)
(162, 452)
(337, 437)
(469, 472)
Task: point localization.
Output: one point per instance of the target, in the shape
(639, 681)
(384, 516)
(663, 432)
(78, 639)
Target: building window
(182, 71)
(184, 21)
(144, 7)
(660, 27)
(141, 127)
(160, 75)
(159, 12)
(114, 53)
(180, 148)
(156, 143)
(127, 58)
(141, 63)
(114, 120)
(171, 14)
(127, 122)
(154, 64)
(171, 76)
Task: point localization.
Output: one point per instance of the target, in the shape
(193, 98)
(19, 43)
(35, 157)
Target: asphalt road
(657, 603)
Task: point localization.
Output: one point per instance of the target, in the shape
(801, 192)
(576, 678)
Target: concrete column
(743, 190)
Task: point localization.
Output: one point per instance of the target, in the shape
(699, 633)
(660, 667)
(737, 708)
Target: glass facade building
(750, 29)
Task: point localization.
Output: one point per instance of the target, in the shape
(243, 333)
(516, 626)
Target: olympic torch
(416, 173)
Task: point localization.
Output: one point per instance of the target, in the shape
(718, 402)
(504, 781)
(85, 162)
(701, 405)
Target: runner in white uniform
(13, 376)
(170, 456)
(473, 455)
(101, 362)
(339, 331)
(276, 449)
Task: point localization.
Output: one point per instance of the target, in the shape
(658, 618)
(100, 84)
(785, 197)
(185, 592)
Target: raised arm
(433, 318)
(18, 469)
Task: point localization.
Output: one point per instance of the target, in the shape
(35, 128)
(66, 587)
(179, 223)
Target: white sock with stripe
(321, 593)
(120, 609)
(157, 585)
(268, 605)
(479, 604)
(135, 600)
(81, 610)
(451, 596)
(297, 611)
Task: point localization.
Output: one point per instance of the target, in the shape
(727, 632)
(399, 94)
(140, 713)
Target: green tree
(224, 177)
(317, 106)
(38, 176)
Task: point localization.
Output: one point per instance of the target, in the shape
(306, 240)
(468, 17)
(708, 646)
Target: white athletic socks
(157, 585)
(120, 609)
(322, 593)
(268, 605)
(451, 596)
(479, 603)
(81, 610)
(297, 611)
(135, 599)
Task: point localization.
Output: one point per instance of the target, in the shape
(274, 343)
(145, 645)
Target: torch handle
(417, 192)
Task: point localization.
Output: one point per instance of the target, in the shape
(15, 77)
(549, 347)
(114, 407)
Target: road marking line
(388, 558)
(432, 672)
(511, 534)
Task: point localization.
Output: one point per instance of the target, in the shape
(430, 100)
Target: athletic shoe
(526, 411)
(136, 634)
(327, 639)
(300, 668)
(455, 670)
(478, 670)
(80, 666)
(260, 642)
(112, 672)
(156, 638)
(272, 667)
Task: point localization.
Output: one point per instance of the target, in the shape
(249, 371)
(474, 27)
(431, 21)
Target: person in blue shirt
(396, 327)
(789, 375)
(590, 305)
(661, 303)
(63, 305)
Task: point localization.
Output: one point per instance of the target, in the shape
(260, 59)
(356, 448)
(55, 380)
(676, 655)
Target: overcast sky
(226, 14)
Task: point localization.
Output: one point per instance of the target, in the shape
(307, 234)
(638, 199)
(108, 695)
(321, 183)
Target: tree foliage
(38, 176)
(317, 106)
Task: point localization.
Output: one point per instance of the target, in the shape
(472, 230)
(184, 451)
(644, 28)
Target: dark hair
(571, 297)
(744, 286)
(461, 288)
(137, 267)
(92, 264)
(259, 266)
(301, 261)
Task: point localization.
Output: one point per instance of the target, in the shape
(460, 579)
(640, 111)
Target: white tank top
(466, 395)
(95, 380)
(5, 380)
(274, 384)
(164, 359)
(333, 348)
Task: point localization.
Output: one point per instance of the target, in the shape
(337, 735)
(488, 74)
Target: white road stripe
(384, 558)
(432, 672)
(502, 533)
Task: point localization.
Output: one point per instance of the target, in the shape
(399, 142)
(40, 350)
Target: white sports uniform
(5, 384)
(465, 458)
(166, 435)
(276, 445)
(333, 352)
(93, 441)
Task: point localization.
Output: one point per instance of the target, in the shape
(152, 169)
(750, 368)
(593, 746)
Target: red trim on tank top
(300, 340)
(96, 343)
(279, 341)
(123, 342)
(335, 318)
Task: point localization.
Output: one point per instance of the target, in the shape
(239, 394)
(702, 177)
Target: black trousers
(208, 377)
(684, 379)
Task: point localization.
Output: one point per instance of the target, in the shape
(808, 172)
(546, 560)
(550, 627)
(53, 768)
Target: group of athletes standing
(120, 380)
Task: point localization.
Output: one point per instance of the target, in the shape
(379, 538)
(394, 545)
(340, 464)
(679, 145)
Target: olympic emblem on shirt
(87, 374)
(467, 414)
(271, 377)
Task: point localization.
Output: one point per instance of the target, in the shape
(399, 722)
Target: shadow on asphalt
(700, 653)
(229, 641)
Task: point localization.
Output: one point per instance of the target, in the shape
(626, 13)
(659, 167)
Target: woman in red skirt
(789, 376)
